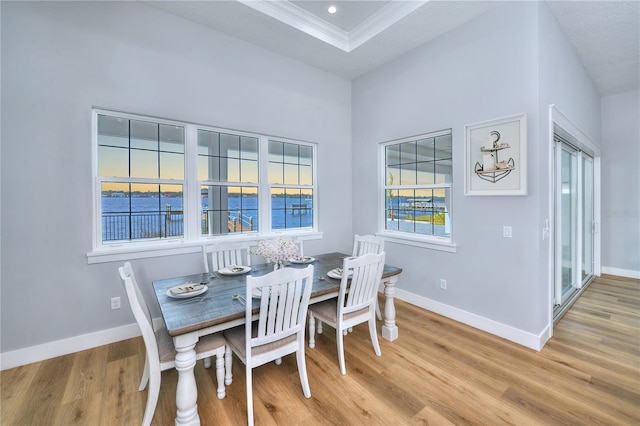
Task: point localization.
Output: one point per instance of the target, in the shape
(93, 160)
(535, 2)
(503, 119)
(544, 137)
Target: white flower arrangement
(278, 251)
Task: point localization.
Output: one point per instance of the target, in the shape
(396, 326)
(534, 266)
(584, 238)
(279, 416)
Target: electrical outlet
(506, 232)
(443, 284)
(115, 303)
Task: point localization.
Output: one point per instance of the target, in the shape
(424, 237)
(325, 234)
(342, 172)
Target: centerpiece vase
(278, 265)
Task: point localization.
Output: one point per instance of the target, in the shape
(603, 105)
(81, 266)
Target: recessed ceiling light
(332, 9)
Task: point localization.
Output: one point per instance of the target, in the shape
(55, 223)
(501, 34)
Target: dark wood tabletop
(217, 307)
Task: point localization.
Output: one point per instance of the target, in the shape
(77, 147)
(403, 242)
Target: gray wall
(486, 69)
(59, 60)
(621, 184)
(563, 80)
(564, 83)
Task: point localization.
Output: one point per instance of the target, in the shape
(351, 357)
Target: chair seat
(328, 310)
(235, 338)
(207, 345)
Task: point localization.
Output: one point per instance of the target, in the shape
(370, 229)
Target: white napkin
(186, 288)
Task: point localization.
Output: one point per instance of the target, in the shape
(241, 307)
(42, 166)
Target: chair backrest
(359, 289)
(363, 244)
(284, 299)
(140, 311)
(218, 256)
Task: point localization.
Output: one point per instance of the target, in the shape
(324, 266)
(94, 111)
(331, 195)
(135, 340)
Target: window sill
(130, 251)
(433, 243)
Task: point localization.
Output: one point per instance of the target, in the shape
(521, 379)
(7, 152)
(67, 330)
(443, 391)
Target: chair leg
(228, 365)
(312, 330)
(220, 361)
(378, 314)
(207, 362)
(302, 369)
(152, 397)
(145, 374)
(249, 381)
(340, 344)
(374, 335)
(278, 361)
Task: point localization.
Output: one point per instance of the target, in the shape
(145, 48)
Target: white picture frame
(496, 157)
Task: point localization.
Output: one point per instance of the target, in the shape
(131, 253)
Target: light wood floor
(438, 372)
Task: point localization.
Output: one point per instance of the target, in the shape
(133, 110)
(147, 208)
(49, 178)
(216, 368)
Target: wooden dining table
(217, 309)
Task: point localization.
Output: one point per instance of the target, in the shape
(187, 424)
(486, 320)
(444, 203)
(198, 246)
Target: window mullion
(192, 208)
(264, 189)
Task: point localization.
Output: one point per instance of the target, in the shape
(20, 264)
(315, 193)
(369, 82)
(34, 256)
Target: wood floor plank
(122, 404)
(429, 416)
(87, 376)
(16, 386)
(451, 398)
(437, 372)
(82, 411)
(50, 380)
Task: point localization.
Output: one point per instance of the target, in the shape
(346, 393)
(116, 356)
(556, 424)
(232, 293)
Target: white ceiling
(363, 35)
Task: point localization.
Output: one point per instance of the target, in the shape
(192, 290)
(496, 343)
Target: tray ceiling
(363, 35)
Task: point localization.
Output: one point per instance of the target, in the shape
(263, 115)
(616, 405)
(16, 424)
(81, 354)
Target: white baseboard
(49, 350)
(533, 341)
(627, 273)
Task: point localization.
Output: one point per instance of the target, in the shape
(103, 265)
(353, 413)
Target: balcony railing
(236, 221)
(142, 225)
(150, 225)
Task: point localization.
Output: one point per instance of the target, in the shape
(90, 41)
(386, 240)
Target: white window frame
(312, 187)
(192, 239)
(259, 186)
(407, 238)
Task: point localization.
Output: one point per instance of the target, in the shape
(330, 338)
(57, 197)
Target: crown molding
(381, 20)
(296, 17)
(302, 20)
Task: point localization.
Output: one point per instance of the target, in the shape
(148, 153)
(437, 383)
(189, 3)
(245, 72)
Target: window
(417, 187)
(228, 176)
(291, 185)
(161, 180)
(141, 179)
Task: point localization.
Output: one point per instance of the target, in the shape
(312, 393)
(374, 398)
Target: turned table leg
(186, 391)
(389, 328)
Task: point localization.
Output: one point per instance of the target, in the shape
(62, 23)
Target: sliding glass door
(588, 220)
(574, 222)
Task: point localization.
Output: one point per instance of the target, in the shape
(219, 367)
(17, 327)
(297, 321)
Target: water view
(148, 217)
(142, 217)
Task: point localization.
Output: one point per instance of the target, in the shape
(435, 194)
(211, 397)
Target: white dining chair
(363, 244)
(283, 297)
(220, 255)
(354, 305)
(159, 350)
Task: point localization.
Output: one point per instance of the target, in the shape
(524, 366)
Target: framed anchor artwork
(496, 157)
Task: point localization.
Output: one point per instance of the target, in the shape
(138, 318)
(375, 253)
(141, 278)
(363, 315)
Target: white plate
(182, 291)
(305, 259)
(337, 273)
(235, 270)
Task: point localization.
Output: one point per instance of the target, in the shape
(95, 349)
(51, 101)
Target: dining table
(222, 306)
